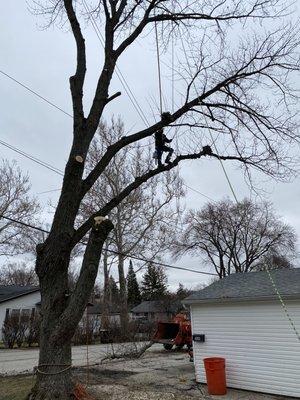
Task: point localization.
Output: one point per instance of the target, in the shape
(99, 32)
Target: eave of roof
(16, 295)
(238, 299)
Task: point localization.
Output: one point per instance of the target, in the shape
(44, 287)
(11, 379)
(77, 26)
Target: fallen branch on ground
(129, 354)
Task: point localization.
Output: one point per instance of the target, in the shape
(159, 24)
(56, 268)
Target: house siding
(261, 349)
(27, 301)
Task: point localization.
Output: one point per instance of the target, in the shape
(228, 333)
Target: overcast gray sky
(44, 60)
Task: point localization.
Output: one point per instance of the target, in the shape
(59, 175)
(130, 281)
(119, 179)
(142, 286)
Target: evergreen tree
(113, 291)
(154, 283)
(133, 291)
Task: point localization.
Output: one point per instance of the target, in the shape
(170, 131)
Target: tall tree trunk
(53, 373)
(61, 311)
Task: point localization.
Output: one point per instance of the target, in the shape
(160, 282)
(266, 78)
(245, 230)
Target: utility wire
(60, 172)
(32, 158)
(37, 228)
(121, 77)
(35, 93)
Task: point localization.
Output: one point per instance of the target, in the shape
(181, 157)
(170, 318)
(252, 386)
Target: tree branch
(77, 81)
(84, 228)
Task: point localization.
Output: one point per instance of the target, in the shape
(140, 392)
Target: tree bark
(62, 311)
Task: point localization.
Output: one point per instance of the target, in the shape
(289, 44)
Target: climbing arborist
(160, 147)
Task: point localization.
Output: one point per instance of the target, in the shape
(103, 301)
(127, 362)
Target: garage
(242, 319)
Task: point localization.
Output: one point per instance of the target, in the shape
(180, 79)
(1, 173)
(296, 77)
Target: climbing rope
(158, 68)
(283, 304)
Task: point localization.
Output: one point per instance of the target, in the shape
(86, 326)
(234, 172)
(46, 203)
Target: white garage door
(262, 351)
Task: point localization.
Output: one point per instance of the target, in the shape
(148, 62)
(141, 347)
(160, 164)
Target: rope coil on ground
(67, 367)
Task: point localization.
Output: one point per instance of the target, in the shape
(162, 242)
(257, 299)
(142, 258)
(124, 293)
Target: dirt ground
(159, 375)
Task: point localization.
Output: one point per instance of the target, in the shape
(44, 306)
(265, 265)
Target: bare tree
(236, 237)
(18, 274)
(243, 91)
(144, 220)
(15, 203)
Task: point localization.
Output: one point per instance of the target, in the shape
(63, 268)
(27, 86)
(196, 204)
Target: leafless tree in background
(144, 220)
(236, 237)
(16, 203)
(243, 90)
(18, 273)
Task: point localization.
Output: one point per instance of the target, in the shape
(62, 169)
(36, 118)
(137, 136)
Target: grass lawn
(15, 387)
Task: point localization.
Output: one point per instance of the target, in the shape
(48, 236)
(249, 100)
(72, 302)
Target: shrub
(10, 330)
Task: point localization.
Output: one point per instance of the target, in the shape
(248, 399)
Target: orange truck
(177, 333)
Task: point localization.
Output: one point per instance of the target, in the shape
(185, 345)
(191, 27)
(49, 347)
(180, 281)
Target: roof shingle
(250, 286)
(13, 291)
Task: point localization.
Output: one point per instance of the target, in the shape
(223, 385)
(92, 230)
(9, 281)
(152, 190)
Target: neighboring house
(95, 312)
(18, 300)
(156, 310)
(244, 321)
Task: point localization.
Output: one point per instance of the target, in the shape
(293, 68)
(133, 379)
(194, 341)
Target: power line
(202, 194)
(32, 158)
(37, 228)
(60, 172)
(121, 77)
(51, 167)
(35, 93)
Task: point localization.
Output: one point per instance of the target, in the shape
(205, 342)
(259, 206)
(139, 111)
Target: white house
(243, 321)
(21, 300)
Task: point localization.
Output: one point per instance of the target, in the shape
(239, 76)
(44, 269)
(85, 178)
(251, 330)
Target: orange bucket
(215, 375)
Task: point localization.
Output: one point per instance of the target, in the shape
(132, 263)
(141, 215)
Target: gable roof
(250, 286)
(157, 306)
(98, 308)
(12, 291)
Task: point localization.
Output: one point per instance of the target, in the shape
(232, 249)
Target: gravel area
(159, 375)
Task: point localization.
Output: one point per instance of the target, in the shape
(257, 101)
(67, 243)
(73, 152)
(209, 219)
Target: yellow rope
(53, 365)
(283, 304)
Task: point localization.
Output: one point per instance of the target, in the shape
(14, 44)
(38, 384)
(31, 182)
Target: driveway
(18, 361)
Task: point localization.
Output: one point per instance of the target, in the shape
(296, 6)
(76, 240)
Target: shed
(244, 321)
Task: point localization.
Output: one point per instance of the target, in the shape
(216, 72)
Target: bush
(10, 330)
(20, 330)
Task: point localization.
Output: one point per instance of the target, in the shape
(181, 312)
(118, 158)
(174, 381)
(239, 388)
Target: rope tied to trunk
(67, 367)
